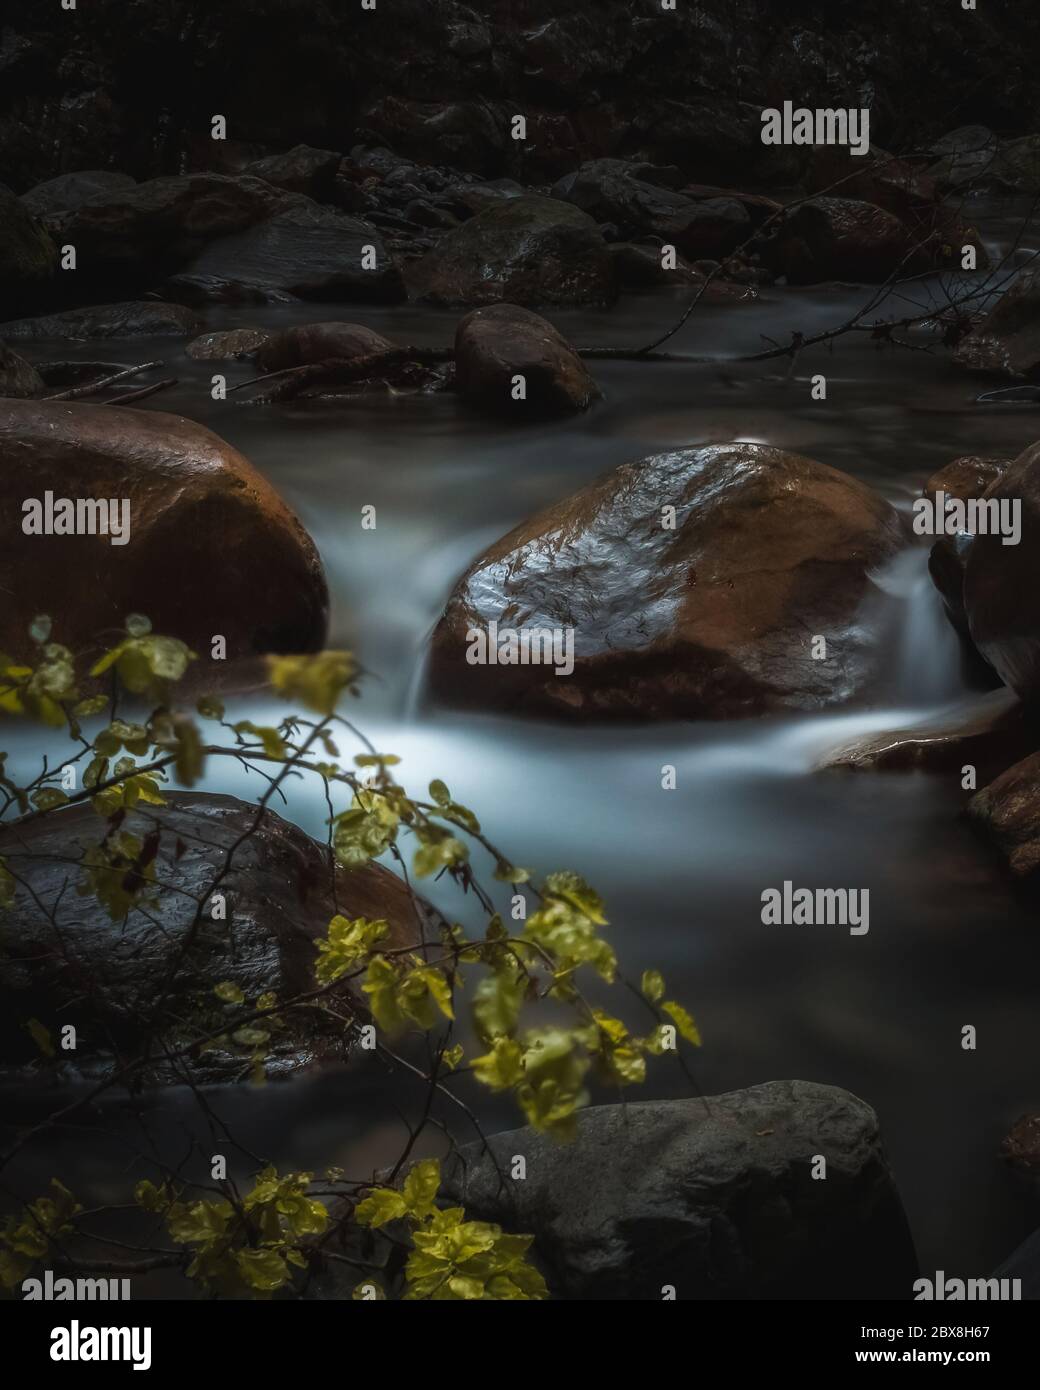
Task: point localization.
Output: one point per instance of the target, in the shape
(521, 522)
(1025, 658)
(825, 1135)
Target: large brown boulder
(1002, 582)
(1008, 814)
(212, 547)
(714, 618)
(963, 479)
(316, 342)
(530, 250)
(130, 986)
(498, 343)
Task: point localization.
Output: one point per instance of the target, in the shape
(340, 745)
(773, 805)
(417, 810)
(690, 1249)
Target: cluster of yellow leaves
(24, 1243)
(145, 663)
(347, 944)
(246, 1247)
(317, 681)
(452, 1259)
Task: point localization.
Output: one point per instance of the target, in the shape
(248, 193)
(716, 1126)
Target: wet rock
(138, 235)
(641, 267)
(28, 256)
(17, 377)
(1017, 165)
(713, 1198)
(302, 169)
(966, 158)
(990, 730)
(1007, 812)
(531, 251)
(473, 198)
(212, 548)
(304, 252)
(712, 619)
(227, 346)
(527, 250)
(1007, 341)
(963, 479)
(315, 342)
(143, 318)
(494, 345)
(121, 982)
(1021, 1150)
(843, 239)
(1001, 588)
(611, 190)
(70, 191)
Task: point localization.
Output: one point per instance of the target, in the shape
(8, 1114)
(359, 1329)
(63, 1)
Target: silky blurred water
(682, 871)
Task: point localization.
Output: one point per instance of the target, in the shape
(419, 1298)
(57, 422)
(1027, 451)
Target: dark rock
(120, 982)
(28, 256)
(18, 378)
(966, 158)
(712, 619)
(212, 547)
(472, 198)
(1021, 1150)
(305, 251)
(144, 318)
(1007, 812)
(1017, 165)
(963, 479)
(1001, 588)
(992, 729)
(300, 170)
(611, 190)
(314, 342)
(68, 192)
(843, 239)
(495, 344)
(1024, 1264)
(531, 251)
(227, 346)
(641, 267)
(137, 235)
(713, 1198)
(1007, 341)
(469, 135)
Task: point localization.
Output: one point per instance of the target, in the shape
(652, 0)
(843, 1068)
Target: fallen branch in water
(142, 392)
(76, 392)
(341, 371)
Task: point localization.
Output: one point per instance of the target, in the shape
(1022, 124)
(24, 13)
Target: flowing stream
(682, 871)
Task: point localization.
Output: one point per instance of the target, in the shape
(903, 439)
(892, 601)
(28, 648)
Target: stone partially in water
(495, 344)
(713, 619)
(316, 342)
(1007, 341)
(121, 983)
(992, 730)
(1008, 814)
(714, 1198)
(144, 318)
(212, 547)
(227, 346)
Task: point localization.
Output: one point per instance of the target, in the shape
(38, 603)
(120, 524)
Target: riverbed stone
(228, 345)
(495, 344)
(139, 318)
(531, 251)
(212, 548)
(713, 1198)
(712, 619)
(303, 169)
(17, 377)
(1002, 583)
(315, 342)
(988, 731)
(832, 238)
(965, 478)
(1007, 812)
(28, 255)
(1007, 341)
(67, 192)
(109, 978)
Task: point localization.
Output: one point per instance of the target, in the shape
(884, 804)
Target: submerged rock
(315, 342)
(713, 1198)
(212, 548)
(495, 344)
(1008, 813)
(531, 251)
(714, 618)
(18, 378)
(140, 318)
(1002, 582)
(302, 252)
(228, 345)
(124, 983)
(991, 729)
